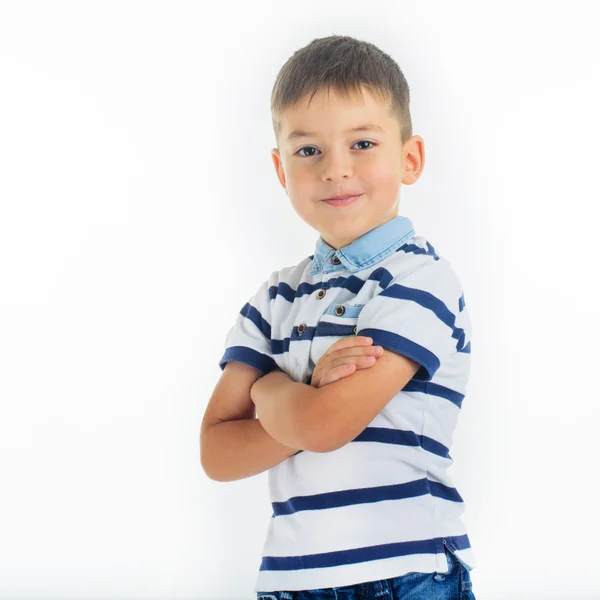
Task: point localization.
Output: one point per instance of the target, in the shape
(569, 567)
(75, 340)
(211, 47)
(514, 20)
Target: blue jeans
(453, 585)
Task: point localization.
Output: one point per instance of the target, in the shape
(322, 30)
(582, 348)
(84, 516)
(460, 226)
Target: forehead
(330, 111)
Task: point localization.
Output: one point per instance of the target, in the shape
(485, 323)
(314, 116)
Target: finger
(337, 373)
(353, 355)
(356, 351)
(349, 341)
(359, 361)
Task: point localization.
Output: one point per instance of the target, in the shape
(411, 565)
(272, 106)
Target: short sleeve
(249, 340)
(417, 315)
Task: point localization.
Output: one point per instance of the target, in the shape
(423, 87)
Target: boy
(357, 458)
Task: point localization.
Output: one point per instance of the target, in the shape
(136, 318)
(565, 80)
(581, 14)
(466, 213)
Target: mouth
(342, 201)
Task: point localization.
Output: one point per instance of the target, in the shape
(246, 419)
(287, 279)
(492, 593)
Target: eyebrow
(298, 133)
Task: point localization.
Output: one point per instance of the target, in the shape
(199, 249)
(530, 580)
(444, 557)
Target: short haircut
(344, 64)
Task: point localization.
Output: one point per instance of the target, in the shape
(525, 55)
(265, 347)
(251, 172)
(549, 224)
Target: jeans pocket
(466, 586)
(467, 594)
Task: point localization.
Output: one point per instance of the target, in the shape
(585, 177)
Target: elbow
(313, 443)
(320, 447)
(206, 467)
(215, 478)
(206, 463)
(208, 473)
(212, 474)
(323, 441)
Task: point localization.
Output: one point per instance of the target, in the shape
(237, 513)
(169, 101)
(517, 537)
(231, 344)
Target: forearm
(234, 450)
(283, 407)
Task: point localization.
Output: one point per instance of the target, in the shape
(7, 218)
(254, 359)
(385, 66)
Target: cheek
(300, 180)
(383, 178)
(303, 189)
(381, 171)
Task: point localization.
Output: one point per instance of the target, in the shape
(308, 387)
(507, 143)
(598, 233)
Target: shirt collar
(364, 251)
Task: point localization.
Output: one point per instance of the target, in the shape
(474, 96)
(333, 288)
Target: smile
(343, 202)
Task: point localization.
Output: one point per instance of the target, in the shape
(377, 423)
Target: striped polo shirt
(383, 504)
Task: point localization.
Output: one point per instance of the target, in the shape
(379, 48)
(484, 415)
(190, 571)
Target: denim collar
(364, 251)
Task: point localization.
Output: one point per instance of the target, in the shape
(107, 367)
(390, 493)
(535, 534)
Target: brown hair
(344, 64)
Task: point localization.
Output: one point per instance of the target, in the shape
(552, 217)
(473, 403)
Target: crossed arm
(324, 419)
(282, 406)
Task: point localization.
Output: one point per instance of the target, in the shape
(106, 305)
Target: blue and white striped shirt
(382, 505)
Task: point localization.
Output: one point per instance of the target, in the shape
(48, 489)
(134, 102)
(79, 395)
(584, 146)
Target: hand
(343, 358)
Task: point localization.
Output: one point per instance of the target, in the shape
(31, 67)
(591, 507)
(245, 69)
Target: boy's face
(333, 161)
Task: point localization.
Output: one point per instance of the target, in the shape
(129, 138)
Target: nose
(336, 166)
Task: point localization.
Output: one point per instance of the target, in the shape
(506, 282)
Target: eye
(359, 142)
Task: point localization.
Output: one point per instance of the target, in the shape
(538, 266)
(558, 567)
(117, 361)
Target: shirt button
(335, 260)
(320, 294)
(339, 310)
(355, 329)
(301, 328)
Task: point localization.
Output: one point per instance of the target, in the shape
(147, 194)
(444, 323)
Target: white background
(140, 209)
